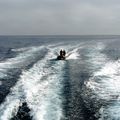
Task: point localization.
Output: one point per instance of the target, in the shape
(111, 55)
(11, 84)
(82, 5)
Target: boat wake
(84, 86)
(103, 87)
(40, 86)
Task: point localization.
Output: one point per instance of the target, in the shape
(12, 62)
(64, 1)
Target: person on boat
(64, 52)
(62, 55)
(61, 52)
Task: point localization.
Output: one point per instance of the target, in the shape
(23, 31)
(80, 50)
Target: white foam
(111, 112)
(110, 68)
(111, 89)
(105, 83)
(22, 49)
(42, 86)
(10, 111)
(95, 57)
(73, 54)
(12, 102)
(19, 61)
(72, 51)
(109, 84)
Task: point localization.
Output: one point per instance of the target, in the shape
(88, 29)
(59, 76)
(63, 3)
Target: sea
(34, 85)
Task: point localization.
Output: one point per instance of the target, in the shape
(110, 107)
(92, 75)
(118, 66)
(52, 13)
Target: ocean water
(36, 86)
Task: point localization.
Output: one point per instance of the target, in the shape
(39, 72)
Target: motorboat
(61, 57)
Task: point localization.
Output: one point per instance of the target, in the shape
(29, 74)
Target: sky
(59, 17)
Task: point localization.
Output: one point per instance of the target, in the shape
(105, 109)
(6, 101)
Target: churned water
(36, 86)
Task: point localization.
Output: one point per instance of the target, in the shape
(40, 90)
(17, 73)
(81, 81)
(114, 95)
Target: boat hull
(61, 58)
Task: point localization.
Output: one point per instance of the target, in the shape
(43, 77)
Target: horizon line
(64, 35)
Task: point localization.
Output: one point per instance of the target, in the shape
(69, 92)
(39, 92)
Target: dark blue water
(34, 85)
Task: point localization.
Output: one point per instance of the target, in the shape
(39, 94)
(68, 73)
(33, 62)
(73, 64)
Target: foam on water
(12, 102)
(16, 96)
(111, 112)
(111, 91)
(21, 60)
(105, 83)
(73, 54)
(40, 86)
(95, 57)
(109, 80)
(21, 49)
(72, 51)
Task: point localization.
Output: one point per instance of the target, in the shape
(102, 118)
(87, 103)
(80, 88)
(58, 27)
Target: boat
(61, 57)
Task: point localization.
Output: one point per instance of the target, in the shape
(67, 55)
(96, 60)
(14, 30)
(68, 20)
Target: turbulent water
(35, 86)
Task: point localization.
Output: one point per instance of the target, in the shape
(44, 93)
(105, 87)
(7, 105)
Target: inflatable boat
(61, 57)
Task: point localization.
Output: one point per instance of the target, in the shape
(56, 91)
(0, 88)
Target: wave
(40, 86)
(111, 84)
(46, 81)
(38, 93)
(17, 94)
(104, 84)
(44, 97)
(20, 61)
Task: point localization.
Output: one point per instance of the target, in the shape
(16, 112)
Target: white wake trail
(12, 102)
(105, 83)
(21, 60)
(42, 86)
(96, 60)
(110, 90)
(73, 54)
(72, 51)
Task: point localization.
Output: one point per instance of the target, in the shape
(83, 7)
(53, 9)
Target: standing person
(64, 52)
(61, 52)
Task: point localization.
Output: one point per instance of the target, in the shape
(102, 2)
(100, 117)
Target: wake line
(94, 60)
(111, 91)
(39, 93)
(44, 98)
(20, 61)
(105, 85)
(40, 87)
(12, 102)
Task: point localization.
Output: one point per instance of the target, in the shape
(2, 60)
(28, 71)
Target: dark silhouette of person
(64, 52)
(61, 52)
